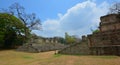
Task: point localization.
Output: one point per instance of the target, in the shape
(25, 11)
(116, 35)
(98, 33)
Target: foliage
(69, 39)
(29, 20)
(11, 30)
(96, 31)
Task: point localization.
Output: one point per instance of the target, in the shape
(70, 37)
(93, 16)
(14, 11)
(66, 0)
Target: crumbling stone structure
(80, 48)
(107, 41)
(42, 45)
(104, 42)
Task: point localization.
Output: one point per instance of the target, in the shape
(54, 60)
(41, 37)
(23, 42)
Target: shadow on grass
(94, 56)
(76, 54)
(4, 49)
(106, 57)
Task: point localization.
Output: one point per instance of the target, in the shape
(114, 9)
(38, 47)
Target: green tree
(11, 30)
(29, 20)
(69, 39)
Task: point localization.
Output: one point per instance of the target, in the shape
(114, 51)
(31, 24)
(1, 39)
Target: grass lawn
(11, 57)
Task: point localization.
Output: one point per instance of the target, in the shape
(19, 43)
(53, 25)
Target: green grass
(28, 57)
(106, 57)
(57, 55)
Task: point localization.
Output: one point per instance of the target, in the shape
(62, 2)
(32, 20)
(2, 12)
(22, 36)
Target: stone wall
(105, 43)
(105, 38)
(105, 50)
(110, 22)
(109, 31)
(77, 49)
(41, 45)
(102, 43)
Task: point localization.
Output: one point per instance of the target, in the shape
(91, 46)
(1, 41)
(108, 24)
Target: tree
(69, 39)
(115, 8)
(11, 30)
(29, 20)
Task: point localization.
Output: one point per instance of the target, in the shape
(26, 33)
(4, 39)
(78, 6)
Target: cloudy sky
(77, 17)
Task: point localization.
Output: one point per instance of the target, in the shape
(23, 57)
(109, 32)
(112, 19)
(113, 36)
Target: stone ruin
(80, 48)
(41, 45)
(107, 41)
(104, 42)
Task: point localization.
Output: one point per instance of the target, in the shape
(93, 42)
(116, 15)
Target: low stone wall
(76, 49)
(105, 50)
(40, 47)
(28, 48)
(40, 44)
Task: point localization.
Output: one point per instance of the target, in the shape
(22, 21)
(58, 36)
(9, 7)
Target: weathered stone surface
(41, 45)
(110, 22)
(107, 41)
(78, 48)
(41, 48)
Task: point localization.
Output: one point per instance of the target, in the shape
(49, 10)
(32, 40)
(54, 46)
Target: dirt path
(11, 57)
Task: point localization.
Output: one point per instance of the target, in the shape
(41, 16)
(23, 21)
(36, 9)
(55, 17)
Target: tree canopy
(29, 20)
(69, 39)
(11, 30)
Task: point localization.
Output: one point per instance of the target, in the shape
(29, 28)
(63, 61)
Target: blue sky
(59, 16)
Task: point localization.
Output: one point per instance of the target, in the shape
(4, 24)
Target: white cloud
(77, 20)
(51, 24)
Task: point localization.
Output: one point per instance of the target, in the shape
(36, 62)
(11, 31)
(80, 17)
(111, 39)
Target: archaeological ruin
(41, 44)
(80, 48)
(104, 42)
(107, 41)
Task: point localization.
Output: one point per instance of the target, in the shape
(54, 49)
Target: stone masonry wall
(76, 49)
(105, 43)
(110, 22)
(104, 38)
(41, 45)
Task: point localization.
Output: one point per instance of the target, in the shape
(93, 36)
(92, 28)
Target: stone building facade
(107, 41)
(110, 22)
